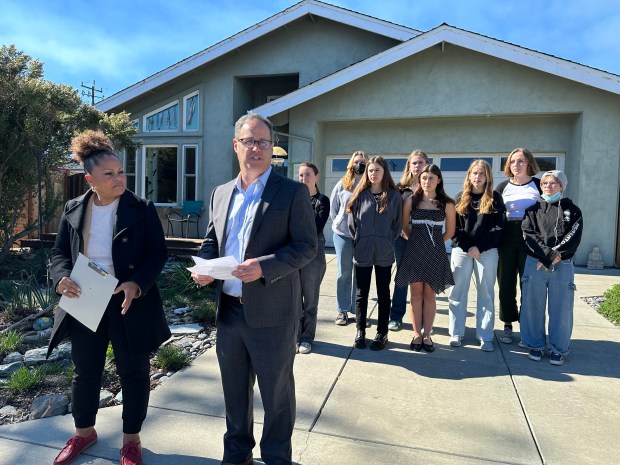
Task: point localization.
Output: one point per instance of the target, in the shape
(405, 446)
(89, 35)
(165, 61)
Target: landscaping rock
(64, 350)
(119, 397)
(187, 328)
(8, 411)
(10, 368)
(48, 406)
(105, 397)
(37, 356)
(13, 357)
(42, 323)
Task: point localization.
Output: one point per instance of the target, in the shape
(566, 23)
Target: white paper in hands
(217, 268)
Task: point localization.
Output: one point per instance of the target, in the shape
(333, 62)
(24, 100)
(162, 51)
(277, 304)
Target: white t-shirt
(518, 197)
(101, 234)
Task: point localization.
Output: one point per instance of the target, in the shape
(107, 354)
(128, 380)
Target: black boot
(379, 342)
(360, 339)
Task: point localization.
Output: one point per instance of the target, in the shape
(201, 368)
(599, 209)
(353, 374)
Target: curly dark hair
(89, 147)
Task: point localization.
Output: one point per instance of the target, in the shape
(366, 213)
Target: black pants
(382, 282)
(512, 254)
(88, 350)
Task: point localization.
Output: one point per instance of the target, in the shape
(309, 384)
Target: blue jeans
(555, 290)
(399, 297)
(345, 284)
(484, 271)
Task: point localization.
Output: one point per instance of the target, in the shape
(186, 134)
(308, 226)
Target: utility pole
(92, 92)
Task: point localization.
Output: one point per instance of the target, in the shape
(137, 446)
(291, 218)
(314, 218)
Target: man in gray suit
(266, 222)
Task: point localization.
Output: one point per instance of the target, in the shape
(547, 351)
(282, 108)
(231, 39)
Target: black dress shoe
(360, 339)
(428, 347)
(415, 347)
(379, 342)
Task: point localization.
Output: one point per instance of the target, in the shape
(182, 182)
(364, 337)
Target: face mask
(359, 168)
(553, 198)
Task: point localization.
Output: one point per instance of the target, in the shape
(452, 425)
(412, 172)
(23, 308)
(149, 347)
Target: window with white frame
(163, 119)
(160, 174)
(191, 105)
(129, 166)
(190, 158)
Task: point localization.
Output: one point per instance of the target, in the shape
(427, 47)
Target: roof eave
(448, 34)
(309, 7)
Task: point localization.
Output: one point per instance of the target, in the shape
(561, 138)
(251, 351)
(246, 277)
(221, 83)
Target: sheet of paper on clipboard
(96, 286)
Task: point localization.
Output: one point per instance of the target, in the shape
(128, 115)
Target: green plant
(171, 358)
(10, 341)
(204, 311)
(109, 354)
(52, 369)
(179, 290)
(24, 379)
(610, 308)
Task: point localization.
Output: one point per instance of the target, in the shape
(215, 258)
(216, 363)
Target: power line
(92, 92)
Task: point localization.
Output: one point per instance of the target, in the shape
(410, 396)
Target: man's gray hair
(250, 116)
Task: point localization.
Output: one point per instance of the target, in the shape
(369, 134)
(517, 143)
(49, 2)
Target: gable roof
(281, 19)
(462, 38)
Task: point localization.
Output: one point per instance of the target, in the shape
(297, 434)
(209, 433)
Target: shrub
(10, 341)
(24, 379)
(204, 311)
(610, 308)
(171, 358)
(179, 290)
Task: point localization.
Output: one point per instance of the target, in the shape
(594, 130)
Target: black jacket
(138, 254)
(479, 230)
(550, 229)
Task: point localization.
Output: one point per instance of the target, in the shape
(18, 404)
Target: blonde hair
(408, 179)
(486, 202)
(348, 180)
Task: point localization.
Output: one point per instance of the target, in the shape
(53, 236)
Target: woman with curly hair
(480, 220)
(123, 234)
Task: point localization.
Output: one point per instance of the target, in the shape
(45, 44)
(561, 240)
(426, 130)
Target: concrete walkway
(454, 406)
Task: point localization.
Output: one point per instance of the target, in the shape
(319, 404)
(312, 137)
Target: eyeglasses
(262, 143)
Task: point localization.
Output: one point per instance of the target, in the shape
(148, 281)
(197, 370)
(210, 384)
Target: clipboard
(96, 286)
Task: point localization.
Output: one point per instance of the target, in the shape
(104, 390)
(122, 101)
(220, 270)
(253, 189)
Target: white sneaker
(455, 341)
(486, 346)
(523, 345)
(305, 348)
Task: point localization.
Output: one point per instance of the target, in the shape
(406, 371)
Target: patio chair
(190, 215)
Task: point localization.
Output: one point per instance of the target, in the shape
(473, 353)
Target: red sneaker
(74, 447)
(131, 454)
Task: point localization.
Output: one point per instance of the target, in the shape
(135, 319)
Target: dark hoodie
(550, 229)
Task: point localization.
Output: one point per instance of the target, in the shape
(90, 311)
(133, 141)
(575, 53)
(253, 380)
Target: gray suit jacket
(283, 239)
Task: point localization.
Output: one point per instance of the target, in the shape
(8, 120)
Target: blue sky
(120, 42)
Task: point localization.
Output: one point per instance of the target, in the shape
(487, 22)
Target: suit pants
(88, 351)
(265, 354)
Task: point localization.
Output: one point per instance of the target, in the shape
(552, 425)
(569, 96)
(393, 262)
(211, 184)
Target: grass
(610, 308)
(25, 379)
(10, 341)
(171, 358)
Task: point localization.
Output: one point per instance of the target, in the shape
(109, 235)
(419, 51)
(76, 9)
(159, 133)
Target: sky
(117, 43)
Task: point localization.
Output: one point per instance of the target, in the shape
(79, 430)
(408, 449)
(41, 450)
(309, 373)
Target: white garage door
(453, 168)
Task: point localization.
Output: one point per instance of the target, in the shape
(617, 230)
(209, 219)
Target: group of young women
(513, 231)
